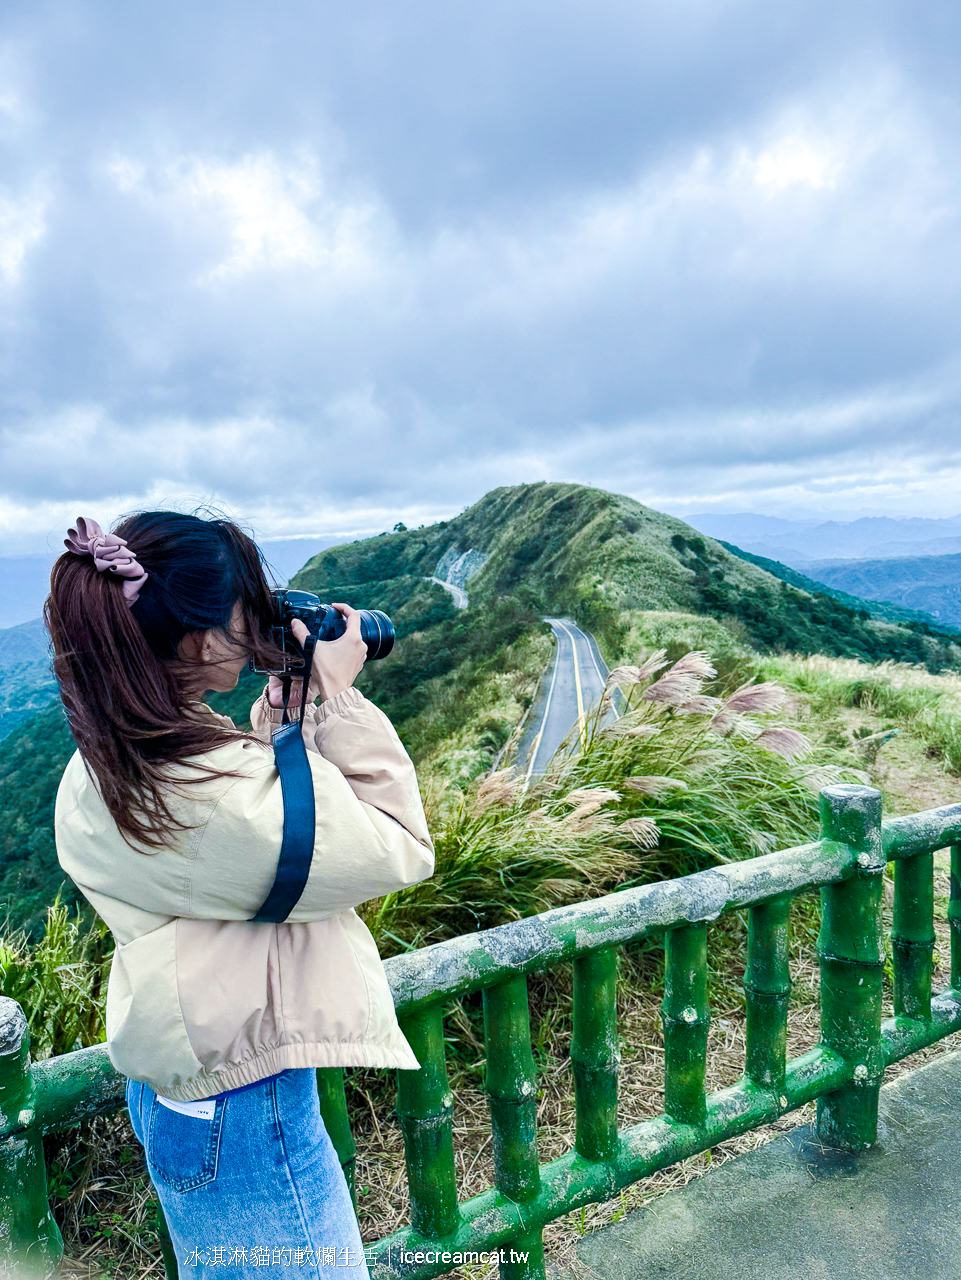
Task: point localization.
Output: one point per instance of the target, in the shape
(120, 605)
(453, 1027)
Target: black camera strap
(297, 789)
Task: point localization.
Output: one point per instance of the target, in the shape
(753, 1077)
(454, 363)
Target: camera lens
(376, 629)
(378, 632)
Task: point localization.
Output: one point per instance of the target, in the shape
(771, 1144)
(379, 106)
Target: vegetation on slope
(31, 763)
(26, 679)
(913, 619)
(682, 780)
(697, 771)
(564, 548)
(932, 583)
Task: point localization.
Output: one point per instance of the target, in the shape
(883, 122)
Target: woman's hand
(337, 663)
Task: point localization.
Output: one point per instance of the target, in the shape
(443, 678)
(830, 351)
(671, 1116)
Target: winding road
(573, 685)
(569, 689)
(460, 597)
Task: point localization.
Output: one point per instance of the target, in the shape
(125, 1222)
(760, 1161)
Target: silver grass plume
(654, 785)
(785, 742)
(588, 800)
(643, 831)
(628, 728)
(622, 676)
(751, 699)
(640, 674)
(498, 789)
(652, 664)
(683, 682)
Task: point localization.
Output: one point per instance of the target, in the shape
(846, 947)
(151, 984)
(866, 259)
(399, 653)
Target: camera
(324, 622)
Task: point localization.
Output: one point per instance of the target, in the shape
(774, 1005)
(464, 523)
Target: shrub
(59, 981)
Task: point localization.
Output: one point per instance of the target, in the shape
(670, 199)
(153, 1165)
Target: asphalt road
(574, 684)
(460, 597)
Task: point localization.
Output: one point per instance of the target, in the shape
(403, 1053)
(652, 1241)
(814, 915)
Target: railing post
(511, 1083)
(595, 1055)
(851, 954)
(954, 917)
(425, 1106)
(333, 1112)
(767, 992)
(30, 1240)
(912, 936)
(686, 1018)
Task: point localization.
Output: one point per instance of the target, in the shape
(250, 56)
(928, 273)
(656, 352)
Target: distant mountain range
(26, 679)
(799, 543)
(928, 582)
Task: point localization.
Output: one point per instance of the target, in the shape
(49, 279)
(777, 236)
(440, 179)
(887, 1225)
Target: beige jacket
(200, 1000)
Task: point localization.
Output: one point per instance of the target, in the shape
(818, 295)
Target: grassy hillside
(558, 548)
(703, 767)
(931, 583)
(31, 762)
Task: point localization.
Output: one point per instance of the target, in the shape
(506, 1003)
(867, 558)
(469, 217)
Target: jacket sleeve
(371, 833)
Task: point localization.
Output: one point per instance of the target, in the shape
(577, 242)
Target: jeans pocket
(182, 1151)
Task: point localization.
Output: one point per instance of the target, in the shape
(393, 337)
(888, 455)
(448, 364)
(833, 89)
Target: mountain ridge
(460, 679)
(800, 542)
(879, 608)
(562, 548)
(932, 583)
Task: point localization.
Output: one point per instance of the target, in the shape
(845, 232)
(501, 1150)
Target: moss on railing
(843, 1072)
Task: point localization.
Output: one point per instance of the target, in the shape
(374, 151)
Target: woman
(169, 820)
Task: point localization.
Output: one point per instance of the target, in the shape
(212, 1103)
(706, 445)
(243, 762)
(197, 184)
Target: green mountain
(26, 680)
(568, 549)
(460, 679)
(931, 583)
(31, 762)
(564, 548)
(914, 619)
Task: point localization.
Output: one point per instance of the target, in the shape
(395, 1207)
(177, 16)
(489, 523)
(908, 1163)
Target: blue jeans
(258, 1184)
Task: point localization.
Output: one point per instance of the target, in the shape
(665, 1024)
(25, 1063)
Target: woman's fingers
(275, 692)
(353, 618)
(338, 663)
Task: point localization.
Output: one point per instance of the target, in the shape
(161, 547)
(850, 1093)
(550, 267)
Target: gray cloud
(333, 266)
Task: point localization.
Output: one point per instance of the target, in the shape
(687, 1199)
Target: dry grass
(107, 1214)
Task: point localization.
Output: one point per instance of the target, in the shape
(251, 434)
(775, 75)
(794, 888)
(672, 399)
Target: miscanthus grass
(680, 780)
(898, 695)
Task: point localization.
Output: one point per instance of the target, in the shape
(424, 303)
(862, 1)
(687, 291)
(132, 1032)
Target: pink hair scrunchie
(110, 554)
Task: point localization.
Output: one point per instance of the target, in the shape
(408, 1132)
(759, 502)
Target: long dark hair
(126, 693)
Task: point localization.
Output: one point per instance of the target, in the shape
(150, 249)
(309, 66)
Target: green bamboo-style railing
(843, 1073)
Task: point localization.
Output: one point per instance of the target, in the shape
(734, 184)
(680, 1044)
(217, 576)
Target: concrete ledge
(794, 1211)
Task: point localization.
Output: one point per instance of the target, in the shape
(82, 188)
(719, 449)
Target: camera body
(324, 622)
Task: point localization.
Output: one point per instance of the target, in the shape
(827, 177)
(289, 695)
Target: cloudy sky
(335, 265)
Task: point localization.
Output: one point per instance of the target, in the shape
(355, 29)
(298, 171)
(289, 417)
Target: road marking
(577, 674)
(591, 643)
(535, 746)
(571, 631)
